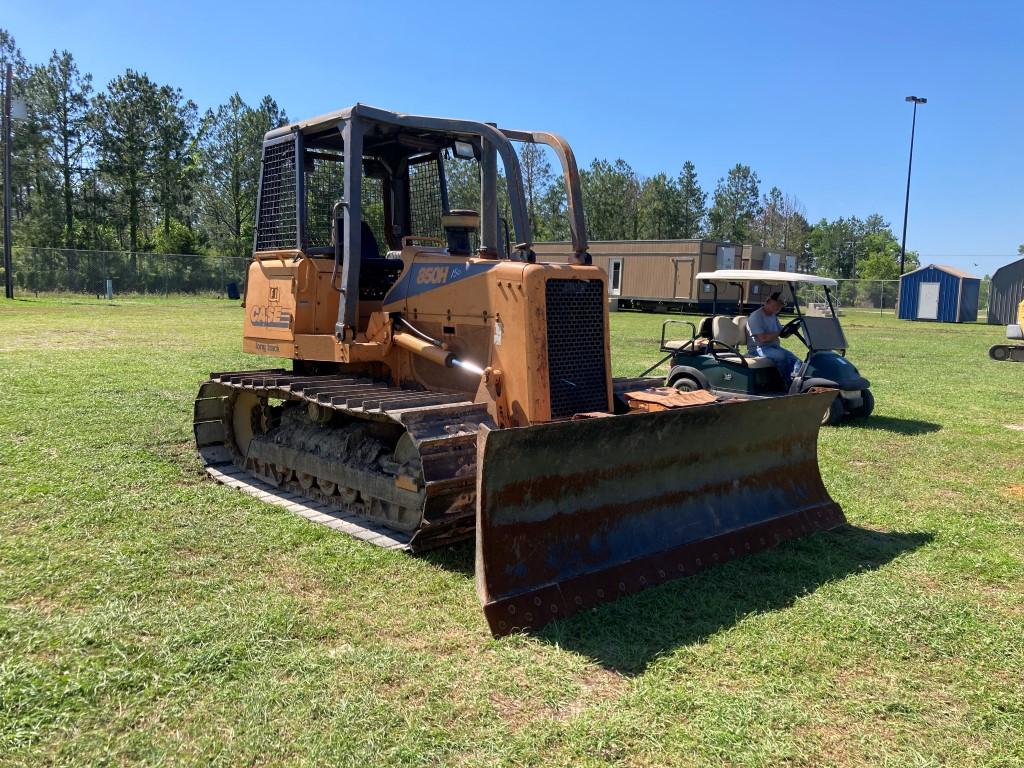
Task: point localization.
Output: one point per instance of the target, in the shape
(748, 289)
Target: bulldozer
(442, 384)
(1013, 353)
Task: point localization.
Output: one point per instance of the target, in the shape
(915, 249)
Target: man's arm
(759, 330)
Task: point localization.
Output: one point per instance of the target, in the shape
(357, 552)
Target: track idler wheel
(277, 475)
(250, 415)
(327, 487)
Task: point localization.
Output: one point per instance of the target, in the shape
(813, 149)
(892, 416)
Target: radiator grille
(577, 368)
(277, 224)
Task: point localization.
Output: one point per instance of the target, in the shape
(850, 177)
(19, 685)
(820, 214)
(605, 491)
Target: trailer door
(683, 279)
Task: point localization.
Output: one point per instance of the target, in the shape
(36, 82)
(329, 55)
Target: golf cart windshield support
(739, 301)
(831, 306)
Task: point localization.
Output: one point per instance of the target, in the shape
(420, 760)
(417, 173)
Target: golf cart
(714, 357)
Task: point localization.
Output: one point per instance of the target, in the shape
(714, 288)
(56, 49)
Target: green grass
(149, 616)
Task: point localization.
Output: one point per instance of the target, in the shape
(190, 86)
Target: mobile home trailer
(660, 275)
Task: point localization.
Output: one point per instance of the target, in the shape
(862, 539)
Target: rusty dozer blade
(573, 514)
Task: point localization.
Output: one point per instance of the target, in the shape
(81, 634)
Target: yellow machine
(1011, 352)
(443, 382)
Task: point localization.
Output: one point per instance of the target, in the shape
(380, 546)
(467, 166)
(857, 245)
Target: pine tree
(692, 202)
(772, 219)
(537, 179)
(660, 212)
(736, 206)
(611, 196)
(229, 156)
(125, 118)
(62, 95)
(174, 161)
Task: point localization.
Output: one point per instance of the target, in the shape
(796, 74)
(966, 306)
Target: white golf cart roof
(763, 276)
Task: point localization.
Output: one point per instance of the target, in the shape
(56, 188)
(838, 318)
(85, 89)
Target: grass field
(149, 616)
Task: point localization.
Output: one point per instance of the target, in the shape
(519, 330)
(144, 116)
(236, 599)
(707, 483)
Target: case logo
(270, 317)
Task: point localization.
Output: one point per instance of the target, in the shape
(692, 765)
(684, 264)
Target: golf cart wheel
(686, 384)
(835, 413)
(867, 405)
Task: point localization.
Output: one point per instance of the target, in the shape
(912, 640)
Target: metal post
(8, 262)
(348, 304)
(489, 237)
(910, 166)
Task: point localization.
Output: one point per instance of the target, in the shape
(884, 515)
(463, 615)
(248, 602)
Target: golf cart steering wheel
(793, 326)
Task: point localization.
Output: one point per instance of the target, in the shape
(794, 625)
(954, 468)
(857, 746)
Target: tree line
(136, 166)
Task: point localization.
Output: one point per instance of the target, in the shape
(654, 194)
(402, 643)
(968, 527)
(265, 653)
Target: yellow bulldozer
(443, 384)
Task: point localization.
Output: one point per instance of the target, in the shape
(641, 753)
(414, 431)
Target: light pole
(8, 277)
(915, 100)
(13, 109)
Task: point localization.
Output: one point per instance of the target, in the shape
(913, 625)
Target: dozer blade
(573, 514)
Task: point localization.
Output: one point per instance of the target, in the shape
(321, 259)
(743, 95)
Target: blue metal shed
(941, 293)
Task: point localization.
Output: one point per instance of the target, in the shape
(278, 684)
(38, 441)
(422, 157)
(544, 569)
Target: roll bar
(353, 124)
(571, 178)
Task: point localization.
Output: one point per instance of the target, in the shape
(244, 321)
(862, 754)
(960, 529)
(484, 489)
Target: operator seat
(368, 247)
(732, 331)
(376, 274)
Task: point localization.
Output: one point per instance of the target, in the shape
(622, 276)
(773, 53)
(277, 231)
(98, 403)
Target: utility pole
(915, 100)
(8, 276)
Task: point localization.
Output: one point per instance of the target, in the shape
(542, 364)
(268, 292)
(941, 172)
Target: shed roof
(943, 268)
(1011, 265)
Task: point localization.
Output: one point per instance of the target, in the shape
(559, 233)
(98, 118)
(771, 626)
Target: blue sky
(811, 95)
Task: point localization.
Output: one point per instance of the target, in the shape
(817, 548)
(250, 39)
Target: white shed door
(928, 301)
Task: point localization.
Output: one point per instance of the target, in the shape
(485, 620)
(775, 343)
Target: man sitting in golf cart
(763, 331)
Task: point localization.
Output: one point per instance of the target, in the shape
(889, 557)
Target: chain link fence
(868, 294)
(68, 270)
(65, 270)
(881, 296)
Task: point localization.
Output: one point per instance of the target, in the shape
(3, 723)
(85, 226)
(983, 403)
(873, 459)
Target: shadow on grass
(457, 558)
(901, 426)
(627, 635)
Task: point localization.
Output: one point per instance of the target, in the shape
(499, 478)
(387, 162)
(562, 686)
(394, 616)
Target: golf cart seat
(732, 332)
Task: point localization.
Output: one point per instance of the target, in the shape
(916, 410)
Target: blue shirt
(761, 322)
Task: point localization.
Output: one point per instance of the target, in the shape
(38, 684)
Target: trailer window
(614, 276)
